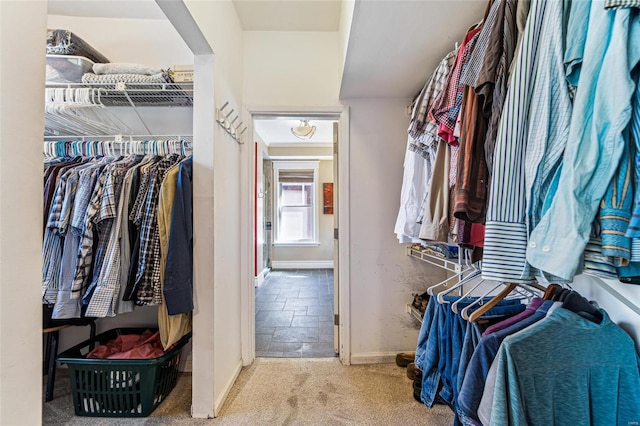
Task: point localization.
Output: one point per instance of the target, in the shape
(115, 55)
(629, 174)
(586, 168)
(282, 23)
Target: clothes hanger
(578, 304)
(473, 317)
(430, 290)
(479, 301)
(475, 273)
(551, 289)
(454, 305)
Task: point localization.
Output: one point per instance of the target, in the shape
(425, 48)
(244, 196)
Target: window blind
(295, 176)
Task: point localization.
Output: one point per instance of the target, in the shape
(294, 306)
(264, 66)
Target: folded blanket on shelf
(123, 68)
(64, 42)
(162, 77)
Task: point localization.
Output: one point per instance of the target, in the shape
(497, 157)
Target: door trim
(247, 292)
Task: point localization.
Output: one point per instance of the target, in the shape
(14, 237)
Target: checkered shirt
(621, 4)
(148, 274)
(85, 251)
(105, 264)
(420, 128)
(446, 107)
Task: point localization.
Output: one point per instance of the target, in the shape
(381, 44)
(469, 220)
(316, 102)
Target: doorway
(294, 221)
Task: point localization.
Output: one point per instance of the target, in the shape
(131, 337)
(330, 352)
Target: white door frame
(247, 296)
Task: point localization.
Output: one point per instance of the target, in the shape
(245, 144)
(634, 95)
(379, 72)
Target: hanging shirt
(491, 84)
(602, 111)
(615, 212)
(483, 356)
(82, 226)
(596, 383)
(421, 128)
(446, 107)
(172, 327)
(107, 279)
(435, 223)
(67, 305)
(550, 115)
(506, 233)
(633, 230)
(421, 151)
(178, 284)
(148, 274)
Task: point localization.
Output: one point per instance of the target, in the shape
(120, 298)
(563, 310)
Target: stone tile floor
(294, 314)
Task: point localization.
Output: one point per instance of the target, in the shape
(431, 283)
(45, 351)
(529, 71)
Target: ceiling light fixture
(304, 130)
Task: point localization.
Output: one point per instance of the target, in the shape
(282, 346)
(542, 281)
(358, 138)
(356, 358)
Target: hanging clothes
(88, 242)
(595, 146)
(172, 327)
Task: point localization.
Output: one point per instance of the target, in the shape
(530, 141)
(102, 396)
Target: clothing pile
(130, 346)
(523, 143)
(542, 364)
(118, 232)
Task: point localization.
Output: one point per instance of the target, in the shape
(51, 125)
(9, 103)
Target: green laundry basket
(120, 387)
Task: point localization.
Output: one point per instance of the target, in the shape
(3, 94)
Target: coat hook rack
(223, 119)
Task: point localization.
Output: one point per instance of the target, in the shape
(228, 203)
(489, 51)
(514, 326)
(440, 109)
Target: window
(296, 202)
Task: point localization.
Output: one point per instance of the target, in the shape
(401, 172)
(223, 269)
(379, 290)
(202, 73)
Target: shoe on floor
(413, 372)
(417, 389)
(404, 358)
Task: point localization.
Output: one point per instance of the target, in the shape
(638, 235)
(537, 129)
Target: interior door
(336, 265)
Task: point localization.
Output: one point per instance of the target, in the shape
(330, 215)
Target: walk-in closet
(118, 204)
(485, 232)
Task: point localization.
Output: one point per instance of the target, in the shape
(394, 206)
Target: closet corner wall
(21, 126)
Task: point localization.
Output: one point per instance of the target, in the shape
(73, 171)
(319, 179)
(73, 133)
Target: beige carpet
(279, 391)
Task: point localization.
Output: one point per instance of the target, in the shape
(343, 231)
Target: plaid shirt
(52, 244)
(621, 4)
(421, 129)
(148, 274)
(107, 276)
(446, 107)
(91, 187)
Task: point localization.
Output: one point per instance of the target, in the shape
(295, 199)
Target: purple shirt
(535, 303)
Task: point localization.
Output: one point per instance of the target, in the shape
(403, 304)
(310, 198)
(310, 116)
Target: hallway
(294, 314)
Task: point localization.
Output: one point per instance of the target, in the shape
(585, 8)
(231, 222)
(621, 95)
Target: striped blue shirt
(504, 256)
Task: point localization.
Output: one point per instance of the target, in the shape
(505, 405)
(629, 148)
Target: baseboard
(227, 388)
(261, 277)
(302, 264)
(373, 358)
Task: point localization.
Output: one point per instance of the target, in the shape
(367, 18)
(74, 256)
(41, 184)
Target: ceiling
(277, 131)
(394, 46)
(127, 9)
(288, 15)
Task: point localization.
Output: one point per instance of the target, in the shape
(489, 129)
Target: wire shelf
(452, 265)
(138, 94)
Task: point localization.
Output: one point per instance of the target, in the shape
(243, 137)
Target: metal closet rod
(117, 138)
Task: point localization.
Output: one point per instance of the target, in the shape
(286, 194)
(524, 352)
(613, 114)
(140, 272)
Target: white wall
(291, 68)
(621, 301)
(220, 347)
(152, 42)
(323, 252)
(383, 277)
(22, 31)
